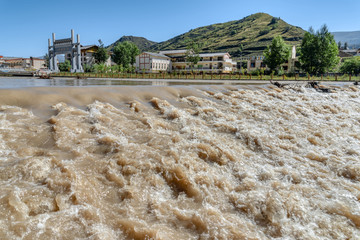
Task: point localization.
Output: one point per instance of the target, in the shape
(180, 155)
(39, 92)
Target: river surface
(24, 82)
(185, 162)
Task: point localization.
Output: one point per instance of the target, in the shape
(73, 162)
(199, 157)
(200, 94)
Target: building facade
(175, 60)
(153, 62)
(23, 63)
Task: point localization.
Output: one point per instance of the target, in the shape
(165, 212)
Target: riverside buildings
(175, 60)
(22, 63)
(257, 62)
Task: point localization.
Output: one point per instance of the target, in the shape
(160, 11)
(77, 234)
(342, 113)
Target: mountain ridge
(141, 42)
(254, 32)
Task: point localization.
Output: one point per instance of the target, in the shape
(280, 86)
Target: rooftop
(88, 46)
(156, 54)
(172, 51)
(212, 54)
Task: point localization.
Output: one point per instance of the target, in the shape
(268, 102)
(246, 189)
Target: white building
(153, 62)
(175, 60)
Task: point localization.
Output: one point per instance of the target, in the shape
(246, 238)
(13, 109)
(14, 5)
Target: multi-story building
(175, 60)
(23, 63)
(153, 62)
(209, 62)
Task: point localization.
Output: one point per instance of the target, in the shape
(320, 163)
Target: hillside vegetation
(254, 32)
(142, 43)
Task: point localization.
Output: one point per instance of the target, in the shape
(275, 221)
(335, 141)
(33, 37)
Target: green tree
(65, 66)
(339, 45)
(319, 51)
(192, 53)
(351, 66)
(345, 45)
(277, 53)
(125, 53)
(101, 55)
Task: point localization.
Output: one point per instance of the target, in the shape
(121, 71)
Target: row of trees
(318, 52)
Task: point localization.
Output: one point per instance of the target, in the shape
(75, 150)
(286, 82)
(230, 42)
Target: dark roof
(88, 46)
(156, 54)
(345, 54)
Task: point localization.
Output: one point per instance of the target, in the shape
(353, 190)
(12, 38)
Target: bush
(280, 72)
(274, 20)
(88, 68)
(264, 31)
(351, 66)
(256, 72)
(65, 66)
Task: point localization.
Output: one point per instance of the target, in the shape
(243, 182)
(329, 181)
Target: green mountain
(142, 43)
(254, 32)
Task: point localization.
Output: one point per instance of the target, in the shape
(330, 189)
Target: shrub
(264, 31)
(65, 66)
(88, 68)
(351, 66)
(256, 72)
(274, 20)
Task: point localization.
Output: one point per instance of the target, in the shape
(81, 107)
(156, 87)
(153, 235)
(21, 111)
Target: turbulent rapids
(180, 163)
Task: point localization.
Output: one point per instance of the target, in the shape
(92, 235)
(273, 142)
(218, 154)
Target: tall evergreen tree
(277, 53)
(319, 51)
(125, 53)
(192, 53)
(101, 54)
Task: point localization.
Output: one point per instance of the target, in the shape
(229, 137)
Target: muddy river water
(184, 162)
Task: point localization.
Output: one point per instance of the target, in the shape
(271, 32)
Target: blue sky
(27, 24)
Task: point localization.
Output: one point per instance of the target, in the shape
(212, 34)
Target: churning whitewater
(182, 163)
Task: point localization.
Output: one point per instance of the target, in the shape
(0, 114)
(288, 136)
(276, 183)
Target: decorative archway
(65, 46)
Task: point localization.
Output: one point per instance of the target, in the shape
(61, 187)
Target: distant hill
(140, 42)
(254, 32)
(352, 38)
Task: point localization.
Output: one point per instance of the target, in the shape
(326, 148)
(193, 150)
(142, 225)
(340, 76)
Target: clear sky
(27, 24)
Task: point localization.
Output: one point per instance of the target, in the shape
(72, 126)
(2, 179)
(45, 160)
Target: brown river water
(190, 162)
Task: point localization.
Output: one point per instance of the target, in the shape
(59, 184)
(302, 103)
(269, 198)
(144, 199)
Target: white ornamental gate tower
(65, 46)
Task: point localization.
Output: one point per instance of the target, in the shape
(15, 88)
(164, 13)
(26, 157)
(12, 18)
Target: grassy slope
(255, 32)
